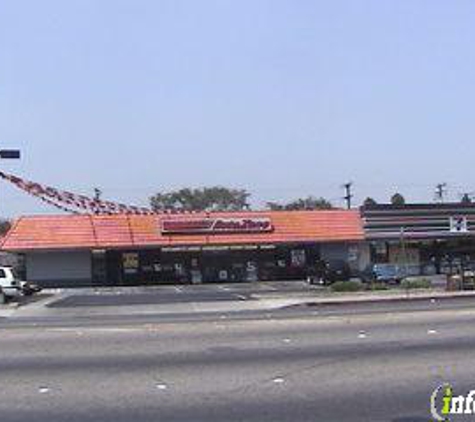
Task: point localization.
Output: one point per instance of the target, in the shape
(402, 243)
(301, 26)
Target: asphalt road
(310, 366)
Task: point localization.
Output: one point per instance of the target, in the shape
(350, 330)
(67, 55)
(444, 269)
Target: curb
(367, 300)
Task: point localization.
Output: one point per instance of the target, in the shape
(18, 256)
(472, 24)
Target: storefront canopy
(141, 231)
(419, 221)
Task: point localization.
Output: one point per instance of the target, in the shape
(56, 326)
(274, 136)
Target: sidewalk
(331, 298)
(8, 309)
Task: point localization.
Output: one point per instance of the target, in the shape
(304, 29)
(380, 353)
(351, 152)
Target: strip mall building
(85, 250)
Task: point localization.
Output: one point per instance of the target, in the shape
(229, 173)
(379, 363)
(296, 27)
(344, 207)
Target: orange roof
(124, 231)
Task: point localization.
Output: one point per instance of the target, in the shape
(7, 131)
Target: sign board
(130, 262)
(10, 154)
(458, 225)
(216, 225)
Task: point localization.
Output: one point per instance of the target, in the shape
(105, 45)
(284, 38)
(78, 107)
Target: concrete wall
(9, 259)
(59, 269)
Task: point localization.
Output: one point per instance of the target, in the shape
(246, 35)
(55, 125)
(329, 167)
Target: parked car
(10, 286)
(29, 289)
(337, 270)
(384, 273)
(327, 272)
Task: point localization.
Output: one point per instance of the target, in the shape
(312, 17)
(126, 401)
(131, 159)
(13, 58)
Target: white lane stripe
(362, 335)
(94, 330)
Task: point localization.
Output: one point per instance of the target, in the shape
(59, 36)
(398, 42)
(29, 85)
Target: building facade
(93, 250)
(428, 238)
(88, 250)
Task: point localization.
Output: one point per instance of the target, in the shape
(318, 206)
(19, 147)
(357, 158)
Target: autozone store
(429, 238)
(85, 250)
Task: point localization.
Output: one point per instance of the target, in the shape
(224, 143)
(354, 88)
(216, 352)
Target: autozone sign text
(217, 225)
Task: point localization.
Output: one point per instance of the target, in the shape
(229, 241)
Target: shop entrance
(222, 266)
(230, 264)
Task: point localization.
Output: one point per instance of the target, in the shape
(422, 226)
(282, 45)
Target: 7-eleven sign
(458, 225)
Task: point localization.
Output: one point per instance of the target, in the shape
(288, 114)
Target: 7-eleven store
(88, 250)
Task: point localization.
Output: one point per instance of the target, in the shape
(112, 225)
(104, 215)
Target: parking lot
(173, 294)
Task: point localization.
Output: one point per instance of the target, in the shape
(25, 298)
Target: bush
(377, 286)
(416, 283)
(346, 286)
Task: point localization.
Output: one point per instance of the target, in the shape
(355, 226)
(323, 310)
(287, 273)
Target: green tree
(466, 199)
(368, 202)
(398, 199)
(5, 226)
(309, 203)
(215, 198)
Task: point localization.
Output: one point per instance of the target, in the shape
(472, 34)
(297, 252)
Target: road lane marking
(95, 330)
(362, 335)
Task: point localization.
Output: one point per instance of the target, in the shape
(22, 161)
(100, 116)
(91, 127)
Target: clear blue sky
(283, 98)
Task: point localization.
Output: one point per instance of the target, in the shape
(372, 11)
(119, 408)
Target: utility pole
(440, 191)
(97, 194)
(348, 194)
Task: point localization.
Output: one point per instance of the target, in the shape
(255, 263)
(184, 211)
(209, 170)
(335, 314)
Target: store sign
(216, 225)
(458, 225)
(130, 262)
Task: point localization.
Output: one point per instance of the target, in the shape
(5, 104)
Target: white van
(10, 286)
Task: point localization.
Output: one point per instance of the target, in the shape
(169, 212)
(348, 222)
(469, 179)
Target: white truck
(10, 285)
